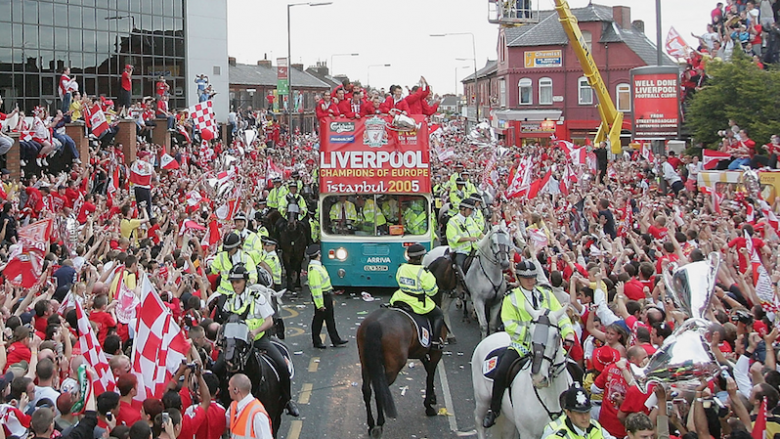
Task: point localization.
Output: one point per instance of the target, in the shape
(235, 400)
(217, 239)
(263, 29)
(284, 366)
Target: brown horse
(386, 340)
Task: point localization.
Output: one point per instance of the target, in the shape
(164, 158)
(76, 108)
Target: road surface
(327, 382)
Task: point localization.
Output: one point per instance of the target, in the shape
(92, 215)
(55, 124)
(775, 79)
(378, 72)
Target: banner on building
(543, 59)
(282, 76)
(655, 102)
(368, 156)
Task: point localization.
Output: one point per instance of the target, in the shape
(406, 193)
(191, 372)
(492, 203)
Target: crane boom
(611, 119)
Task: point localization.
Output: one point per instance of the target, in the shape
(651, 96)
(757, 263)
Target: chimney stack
(639, 25)
(621, 15)
(232, 60)
(298, 66)
(264, 63)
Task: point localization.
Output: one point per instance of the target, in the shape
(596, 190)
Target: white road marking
(445, 388)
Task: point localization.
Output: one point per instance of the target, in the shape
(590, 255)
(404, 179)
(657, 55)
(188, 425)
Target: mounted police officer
(417, 286)
(462, 234)
(293, 198)
(249, 239)
(576, 423)
(276, 194)
(516, 322)
(230, 256)
(252, 306)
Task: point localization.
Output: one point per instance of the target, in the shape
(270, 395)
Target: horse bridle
(555, 368)
(502, 249)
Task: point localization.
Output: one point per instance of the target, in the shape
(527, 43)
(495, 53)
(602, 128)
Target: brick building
(536, 87)
(251, 84)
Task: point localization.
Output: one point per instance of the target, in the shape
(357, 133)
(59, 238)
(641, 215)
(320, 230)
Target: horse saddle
(469, 260)
(493, 359)
(263, 357)
(422, 323)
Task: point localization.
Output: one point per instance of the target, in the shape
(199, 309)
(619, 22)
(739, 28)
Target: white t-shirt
(46, 393)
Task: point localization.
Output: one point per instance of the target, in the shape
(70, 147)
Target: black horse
(238, 356)
(294, 237)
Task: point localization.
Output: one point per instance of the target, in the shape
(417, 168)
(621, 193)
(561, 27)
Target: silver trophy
(685, 357)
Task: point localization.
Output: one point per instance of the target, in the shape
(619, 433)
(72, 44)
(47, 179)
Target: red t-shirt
(41, 323)
(126, 83)
(104, 322)
(740, 243)
(649, 348)
(16, 353)
(657, 232)
(215, 423)
(162, 87)
(128, 415)
(86, 209)
(611, 380)
(635, 400)
(659, 264)
(191, 421)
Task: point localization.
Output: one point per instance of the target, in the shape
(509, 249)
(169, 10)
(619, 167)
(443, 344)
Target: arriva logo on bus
(371, 159)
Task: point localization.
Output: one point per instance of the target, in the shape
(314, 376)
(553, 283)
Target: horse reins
(496, 287)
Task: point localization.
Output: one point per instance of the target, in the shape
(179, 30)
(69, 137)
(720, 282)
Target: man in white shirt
(671, 176)
(254, 424)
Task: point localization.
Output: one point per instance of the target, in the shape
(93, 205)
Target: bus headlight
(341, 254)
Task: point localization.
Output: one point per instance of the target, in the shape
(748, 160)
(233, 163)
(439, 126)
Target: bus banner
(368, 155)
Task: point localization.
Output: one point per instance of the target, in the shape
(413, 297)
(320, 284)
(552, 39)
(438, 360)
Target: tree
(736, 90)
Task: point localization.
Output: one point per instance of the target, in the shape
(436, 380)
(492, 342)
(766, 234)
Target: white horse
(533, 397)
(484, 278)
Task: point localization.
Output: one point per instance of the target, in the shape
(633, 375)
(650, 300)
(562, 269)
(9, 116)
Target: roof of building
(330, 80)
(491, 66)
(549, 32)
(450, 101)
(248, 74)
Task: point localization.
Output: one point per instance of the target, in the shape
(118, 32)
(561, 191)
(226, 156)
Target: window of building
(588, 38)
(623, 97)
(545, 91)
(584, 92)
(502, 93)
(525, 87)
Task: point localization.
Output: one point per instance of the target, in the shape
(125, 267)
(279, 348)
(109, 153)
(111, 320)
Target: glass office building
(95, 38)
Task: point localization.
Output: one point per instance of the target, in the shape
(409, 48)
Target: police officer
(342, 212)
(250, 240)
(276, 194)
(293, 198)
(270, 258)
(370, 217)
(516, 320)
(230, 256)
(576, 423)
(417, 286)
(457, 195)
(296, 179)
(415, 217)
(478, 216)
(322, 295)
(251, 305)
(463, 233)
(450, 183)
(389, 206)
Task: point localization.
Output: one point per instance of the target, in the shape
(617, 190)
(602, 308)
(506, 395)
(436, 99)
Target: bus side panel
(366, 264)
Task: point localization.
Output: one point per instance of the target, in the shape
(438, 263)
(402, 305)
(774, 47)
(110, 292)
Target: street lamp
(474, 57)
(290, 95)
(332, 70)
(368, 72)
(456, 77)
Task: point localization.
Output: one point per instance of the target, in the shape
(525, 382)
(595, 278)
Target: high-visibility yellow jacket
(416, 286)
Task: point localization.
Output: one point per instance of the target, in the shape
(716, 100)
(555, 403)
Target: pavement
(327, 382)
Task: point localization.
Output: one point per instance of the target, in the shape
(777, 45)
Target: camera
(166, 418)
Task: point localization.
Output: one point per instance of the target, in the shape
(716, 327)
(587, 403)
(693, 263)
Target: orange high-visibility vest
(241, 427)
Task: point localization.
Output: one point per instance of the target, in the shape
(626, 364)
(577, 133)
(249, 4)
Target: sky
(397, 32)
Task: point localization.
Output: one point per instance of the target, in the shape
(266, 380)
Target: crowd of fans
(601, 234)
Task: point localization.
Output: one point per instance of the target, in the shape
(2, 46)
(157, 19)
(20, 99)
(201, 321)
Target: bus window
(375, 215)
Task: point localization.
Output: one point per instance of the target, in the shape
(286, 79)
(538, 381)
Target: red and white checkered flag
(159, 345)
(93, 353)
(202, 115)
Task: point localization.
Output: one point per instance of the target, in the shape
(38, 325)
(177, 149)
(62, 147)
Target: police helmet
(415, 251)
(238, 272)
(262, 201)
(459, 181)
(292, 184)
(277, 180)
(231, 241)
(459, 165)
(268, 241)
(474, 200)
(295, 174)
(465, 172)
(466, 204)
(313, 250)
(577, 400)
(525, 269)
(239, 217)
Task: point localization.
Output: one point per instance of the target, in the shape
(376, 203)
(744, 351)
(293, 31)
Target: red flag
(521, 180)
(769, 215)
(97, 120)
(93, 354)
(212, 236)
(578, 155)
(159, 346)
(710, 158)
(675, 45)
(538, 185)
(14, 421)
(647, 152)
(189, 224)
(141, 173)
(759, 427)
(168, 162)
(717, 199)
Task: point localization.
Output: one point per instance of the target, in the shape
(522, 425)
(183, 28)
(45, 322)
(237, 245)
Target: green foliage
(736, 90)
